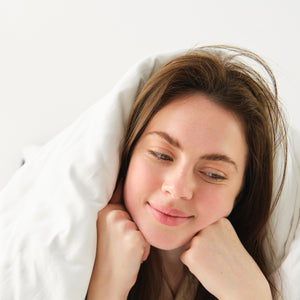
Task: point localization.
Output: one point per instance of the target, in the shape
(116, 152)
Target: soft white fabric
(285, 225)
(48, 210)
(285, 218)
(290, 270)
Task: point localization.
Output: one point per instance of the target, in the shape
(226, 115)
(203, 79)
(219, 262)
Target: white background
(57, 57)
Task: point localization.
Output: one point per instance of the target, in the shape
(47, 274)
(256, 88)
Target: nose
(179, 184)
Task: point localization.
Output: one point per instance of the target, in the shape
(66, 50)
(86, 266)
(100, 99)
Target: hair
(224, 75)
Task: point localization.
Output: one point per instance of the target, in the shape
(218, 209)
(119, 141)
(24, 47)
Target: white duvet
(48, 210)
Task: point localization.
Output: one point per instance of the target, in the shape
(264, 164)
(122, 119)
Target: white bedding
(49, 208)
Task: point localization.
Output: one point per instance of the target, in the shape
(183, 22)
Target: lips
(168, 215)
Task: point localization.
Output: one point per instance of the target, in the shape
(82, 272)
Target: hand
(223, 266)
(121, 248)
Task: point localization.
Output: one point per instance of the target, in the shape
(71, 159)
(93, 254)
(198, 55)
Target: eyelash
(165, 157)
(214, 176)
(161, 156)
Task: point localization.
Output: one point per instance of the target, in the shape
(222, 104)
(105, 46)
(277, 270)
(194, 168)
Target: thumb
(117, 195)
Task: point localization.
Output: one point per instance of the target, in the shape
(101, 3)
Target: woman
(195, 185)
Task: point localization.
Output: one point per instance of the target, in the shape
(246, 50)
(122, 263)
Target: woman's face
(185, 171)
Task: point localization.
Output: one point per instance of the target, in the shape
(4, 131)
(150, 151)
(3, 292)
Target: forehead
(197, 111)
(199, 123)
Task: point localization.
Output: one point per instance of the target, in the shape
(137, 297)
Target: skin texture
(184, 175)
(121, 248)
(179, 177)
(221, 263)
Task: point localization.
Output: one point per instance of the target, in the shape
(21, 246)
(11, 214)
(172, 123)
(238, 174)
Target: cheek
(141, 180)
(214, 202)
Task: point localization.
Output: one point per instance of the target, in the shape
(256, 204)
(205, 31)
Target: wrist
(260, 292)
(99, 290)
(104, 287)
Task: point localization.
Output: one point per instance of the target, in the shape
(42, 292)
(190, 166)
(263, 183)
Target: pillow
(49, 208)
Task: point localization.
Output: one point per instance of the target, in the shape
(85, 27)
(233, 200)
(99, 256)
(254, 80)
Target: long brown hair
(224, 74)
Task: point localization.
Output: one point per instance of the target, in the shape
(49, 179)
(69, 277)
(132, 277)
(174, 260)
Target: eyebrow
(211, 157)
(219, 157)
(166, 137)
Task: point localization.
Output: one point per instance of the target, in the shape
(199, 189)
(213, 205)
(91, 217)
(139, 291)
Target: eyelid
(213, 174)
(160, 155)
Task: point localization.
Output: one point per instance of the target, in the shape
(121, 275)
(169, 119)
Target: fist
(223, 266)
(121, 248)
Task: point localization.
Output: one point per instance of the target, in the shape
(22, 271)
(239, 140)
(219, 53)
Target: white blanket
(49, 208)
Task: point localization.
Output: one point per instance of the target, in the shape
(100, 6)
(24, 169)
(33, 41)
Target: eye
(213, 176)
(160, 156)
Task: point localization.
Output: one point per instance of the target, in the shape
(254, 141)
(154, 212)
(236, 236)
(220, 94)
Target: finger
(115, 209)
(185, 258)
(187, 246)
(146, 252)
(117, 195)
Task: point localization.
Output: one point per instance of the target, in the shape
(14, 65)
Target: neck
(173, 268)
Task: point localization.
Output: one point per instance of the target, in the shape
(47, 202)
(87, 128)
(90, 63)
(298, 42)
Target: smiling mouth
(167, 215)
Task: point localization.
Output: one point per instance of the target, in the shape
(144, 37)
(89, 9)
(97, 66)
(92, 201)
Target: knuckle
(188, 257)
(134, 242)
(197, 240)
(225, 223)
(123, 226)
(183, 257)
(114, 216)
(133, 238)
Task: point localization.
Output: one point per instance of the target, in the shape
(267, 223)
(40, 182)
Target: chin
(165, 247)
(166, 242)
